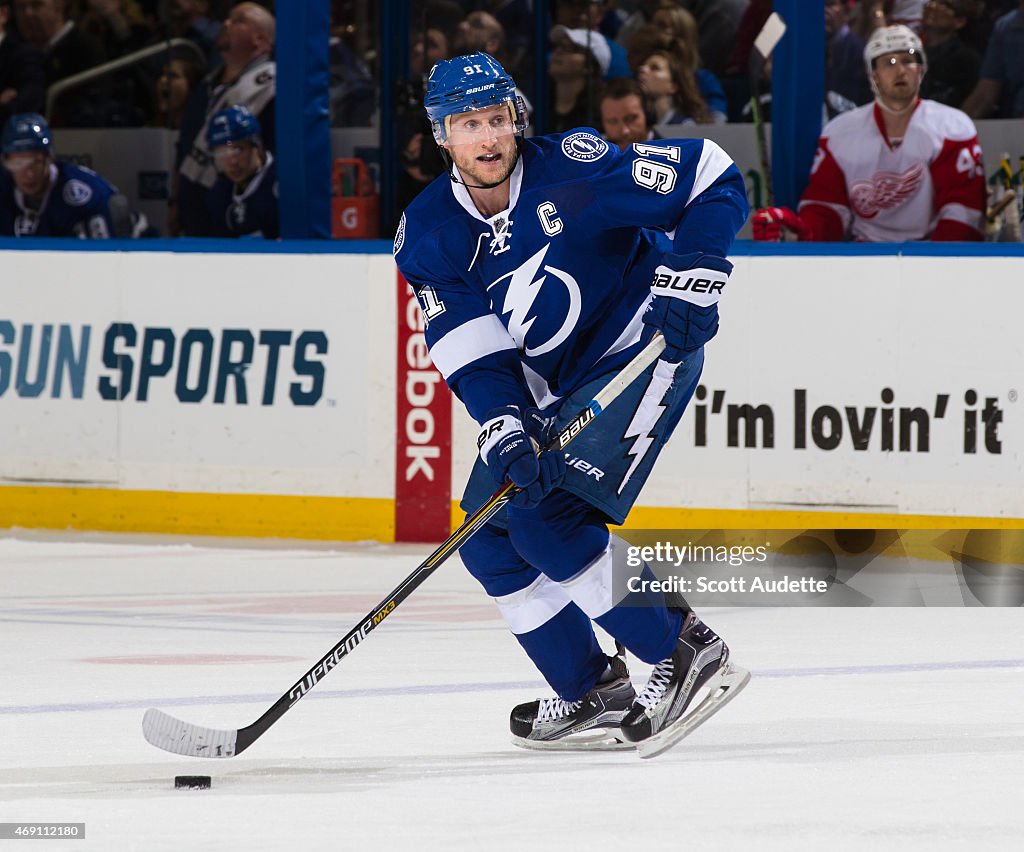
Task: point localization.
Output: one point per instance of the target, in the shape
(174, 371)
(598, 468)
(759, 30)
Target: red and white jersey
(930, 186)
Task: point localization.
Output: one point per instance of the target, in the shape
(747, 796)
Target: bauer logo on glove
(701, 286)
(684, 309)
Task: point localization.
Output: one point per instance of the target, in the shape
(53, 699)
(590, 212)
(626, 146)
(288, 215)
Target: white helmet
(894, 39)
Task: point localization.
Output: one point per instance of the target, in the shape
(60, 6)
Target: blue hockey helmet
(232, 125)
(466, 83)
(26, 132)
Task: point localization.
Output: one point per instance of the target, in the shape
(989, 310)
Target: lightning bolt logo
(524, 286)
(646, 417)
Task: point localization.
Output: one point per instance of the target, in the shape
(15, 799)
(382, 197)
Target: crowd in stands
(218, 55)
(627, 67)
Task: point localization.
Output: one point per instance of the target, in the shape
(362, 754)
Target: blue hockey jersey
(527, 305)
(251, 212)
(75, 205)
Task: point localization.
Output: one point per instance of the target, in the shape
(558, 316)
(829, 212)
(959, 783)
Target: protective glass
(21, 162)
(899, 59)
(231, 152)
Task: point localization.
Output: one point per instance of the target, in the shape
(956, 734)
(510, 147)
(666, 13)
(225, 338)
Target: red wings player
(901, 168)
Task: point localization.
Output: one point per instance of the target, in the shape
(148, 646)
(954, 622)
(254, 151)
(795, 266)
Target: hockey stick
(173, 735)
(773, 30)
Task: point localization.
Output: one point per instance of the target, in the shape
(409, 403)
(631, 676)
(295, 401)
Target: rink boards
(288, 394)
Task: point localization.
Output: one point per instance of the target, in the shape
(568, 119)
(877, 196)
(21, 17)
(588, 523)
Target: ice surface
(862, 728)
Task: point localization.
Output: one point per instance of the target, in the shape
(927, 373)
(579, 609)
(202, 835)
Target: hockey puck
(191, 782)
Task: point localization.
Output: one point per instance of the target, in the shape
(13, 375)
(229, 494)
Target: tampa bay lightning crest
(585, 147)
(540, 304)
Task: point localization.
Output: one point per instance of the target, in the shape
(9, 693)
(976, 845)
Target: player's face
(483, 145)
(237, 161)
(898, 77)
(624, 121)
(30, 171)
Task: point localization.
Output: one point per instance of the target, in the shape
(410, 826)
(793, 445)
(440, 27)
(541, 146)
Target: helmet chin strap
(892, 110)
(446, 158)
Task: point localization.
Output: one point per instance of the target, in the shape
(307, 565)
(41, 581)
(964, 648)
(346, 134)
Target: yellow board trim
(189, 513)
(366, 518)
(671, 518)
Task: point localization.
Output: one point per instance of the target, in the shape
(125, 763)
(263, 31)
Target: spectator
(191, 19)
(22, 78)
(626, 117)
(480, 31)
(439, 24)
(578, 61)
(644, 41)
(677, 23)
(587, 15)
(426, 49)
(641, 17)
(179, 76)
(353, 94)
(671, 87)
(516, 19)
(953, 66)
(870, 15)
(717, 22)
(67, 49)
(44, 197)
(434, 28)
(247, 78)
(1000, 91)
(118, 25)
(899, 169)
(243, 201)
(987, 13)
(846, 83)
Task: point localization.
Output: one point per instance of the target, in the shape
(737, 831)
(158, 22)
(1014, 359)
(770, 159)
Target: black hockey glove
(686, 290)
(509, 442)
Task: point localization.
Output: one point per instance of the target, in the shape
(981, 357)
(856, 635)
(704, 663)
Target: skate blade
(593, 740)
(723, 687)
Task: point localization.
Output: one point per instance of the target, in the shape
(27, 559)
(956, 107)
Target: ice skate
(662, 714)
(592, 723)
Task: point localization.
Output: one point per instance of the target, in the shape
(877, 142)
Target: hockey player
(44, 197)
(901, 168)
(243, 201)
(542, 266)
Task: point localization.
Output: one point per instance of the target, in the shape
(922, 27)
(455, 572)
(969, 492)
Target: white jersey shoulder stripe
(468, 342)
(712, 163)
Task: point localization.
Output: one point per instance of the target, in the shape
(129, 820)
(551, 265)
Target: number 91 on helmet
(467, 83)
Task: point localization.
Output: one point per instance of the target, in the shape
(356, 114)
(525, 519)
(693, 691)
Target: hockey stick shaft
(773, 30)
(171, 734)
